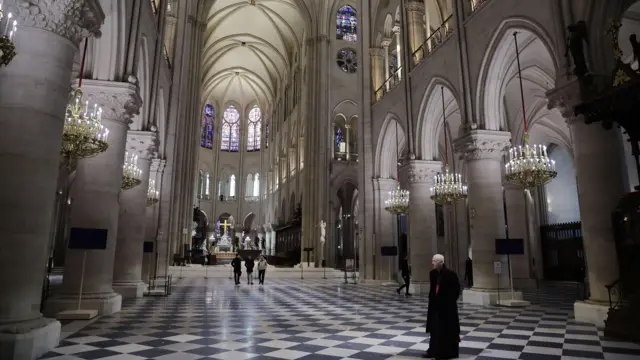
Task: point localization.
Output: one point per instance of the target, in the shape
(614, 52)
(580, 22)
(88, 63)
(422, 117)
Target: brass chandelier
(8, 31)
(152, 194)
(448, 186)
(131, 173)
(398, 201)
(528, 165)
(83, 135)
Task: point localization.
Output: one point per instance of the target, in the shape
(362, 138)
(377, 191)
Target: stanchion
(206, 270)
(180, 277)
(79, 314)
(301, 271)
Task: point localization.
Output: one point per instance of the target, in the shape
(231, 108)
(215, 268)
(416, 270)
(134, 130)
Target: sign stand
(149, 286)
(79, 314)
(206, 270)
(510, 246)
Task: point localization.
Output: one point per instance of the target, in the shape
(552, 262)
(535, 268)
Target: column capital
(376, 52)
(312, 40)
(565, 98)
(420, 171)
(387, 184)
(143, 143)
(71, 19)
(386, 42)
(414, 6)
(396, 29)
(120, 101)
(158, 165)
(482, 144)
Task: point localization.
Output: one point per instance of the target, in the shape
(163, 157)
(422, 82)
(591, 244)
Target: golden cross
(225, 225)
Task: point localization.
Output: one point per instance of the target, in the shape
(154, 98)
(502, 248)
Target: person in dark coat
(468, 272)
(442, 316)
(236, 263)
(249, 264)
(406, 276)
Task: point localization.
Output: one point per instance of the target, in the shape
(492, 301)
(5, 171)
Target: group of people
(443, 323)
(249, 265)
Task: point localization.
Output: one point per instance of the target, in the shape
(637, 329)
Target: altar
(244, 254)
(223, 247)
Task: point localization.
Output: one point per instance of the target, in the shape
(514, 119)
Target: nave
(329, 320)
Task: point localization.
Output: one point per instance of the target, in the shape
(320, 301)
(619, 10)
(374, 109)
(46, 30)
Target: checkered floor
(326, 319)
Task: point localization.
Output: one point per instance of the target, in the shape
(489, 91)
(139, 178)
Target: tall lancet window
(255, 123)
(256, 185)
(230, 130)
(249, 188)
(206, 135)
(232, 186)
(347, 24)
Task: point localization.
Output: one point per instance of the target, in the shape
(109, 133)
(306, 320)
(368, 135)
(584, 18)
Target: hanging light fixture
(528, 165)
(83, 135)
(131, 173)
(448, 186)
(152, 194)
(398, 201)
(8, 29)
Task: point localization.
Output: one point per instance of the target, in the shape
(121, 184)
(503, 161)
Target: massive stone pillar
(95, 195)
(599, 176)
(377, 71)
(600, 182)
(127, 274)
(158, 259)
(415, 25)
(422, 237)
(385, 232)
(33, 96)
(482, 150)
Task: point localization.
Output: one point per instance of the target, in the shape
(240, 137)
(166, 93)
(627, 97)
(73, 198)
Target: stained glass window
(347, 60)
(206, 135)
(254, 131)
(347, 24)
(232, 186)
(256, 185)
(339, 137)
(230, 130)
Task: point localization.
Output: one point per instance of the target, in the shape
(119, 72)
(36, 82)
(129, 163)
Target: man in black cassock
(442, 317)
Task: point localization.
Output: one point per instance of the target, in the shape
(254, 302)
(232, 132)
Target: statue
(576, 46)
(323, 231)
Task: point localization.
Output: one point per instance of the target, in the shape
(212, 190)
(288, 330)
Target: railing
(252, 199)
(436, 38)
(389, 84)
(615, 294)
(166, 56)
(343, 156)
(225, 199)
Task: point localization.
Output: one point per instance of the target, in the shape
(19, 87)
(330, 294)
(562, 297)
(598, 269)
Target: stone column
(152, 232)
(33, 96)
(482, 150)
(377, 70)
(399, 57)
(422, 237)
(517, 226)
(415, 23)
(95, 195)
(385, 48)
(127, 274)
(385, 225)
(599, 177)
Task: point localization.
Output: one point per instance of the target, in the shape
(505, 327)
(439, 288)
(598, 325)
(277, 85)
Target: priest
(443, 323)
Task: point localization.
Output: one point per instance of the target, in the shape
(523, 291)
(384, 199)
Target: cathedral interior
(335, 138)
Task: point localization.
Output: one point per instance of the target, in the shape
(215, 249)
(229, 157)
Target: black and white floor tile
(328, 320)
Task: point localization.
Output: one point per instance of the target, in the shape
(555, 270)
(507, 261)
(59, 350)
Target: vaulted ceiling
(249, 47)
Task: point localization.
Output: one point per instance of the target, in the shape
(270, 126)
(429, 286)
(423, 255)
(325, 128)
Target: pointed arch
(254, 129)
(347, 23)
(430, 119)
(387, 153)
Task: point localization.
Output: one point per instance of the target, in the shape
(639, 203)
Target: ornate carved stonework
(482, 144)
(119, 101)
(415, 6)
(420, 171)
(565, 98)
(157, 166)
(143, 143)
(71, 19)
(375, 51)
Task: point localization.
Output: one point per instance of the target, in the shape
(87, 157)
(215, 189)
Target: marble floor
(327, 319)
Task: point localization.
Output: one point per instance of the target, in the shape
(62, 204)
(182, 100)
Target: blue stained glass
(339, 137)
(206, 136)
(347, 24)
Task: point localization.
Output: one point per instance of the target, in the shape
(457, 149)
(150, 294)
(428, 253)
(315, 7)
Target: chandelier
(448, 186)
(528, 165)
(83, 135)
(8, 31)
(131, 173)
(398, 201)
(152, 194)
